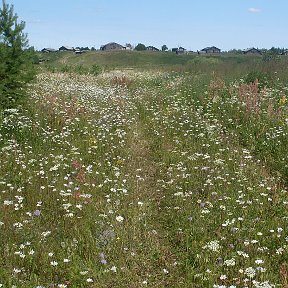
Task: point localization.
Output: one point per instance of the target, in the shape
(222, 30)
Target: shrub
(263, 79)
(140, 47)
(95, 69)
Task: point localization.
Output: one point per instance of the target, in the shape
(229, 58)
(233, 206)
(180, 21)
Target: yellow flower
(92, 140)
(283, 101)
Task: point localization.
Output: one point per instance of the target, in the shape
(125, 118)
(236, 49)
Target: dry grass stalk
(123, 81)
(249, 95)
(216, 86)
(284, 275)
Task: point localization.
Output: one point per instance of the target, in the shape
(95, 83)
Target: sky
(192, 24)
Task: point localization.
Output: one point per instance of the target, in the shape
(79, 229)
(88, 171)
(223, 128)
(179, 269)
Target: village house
(48, 50)
(79, 51)
(128, 46)
(66, 48)
(112, 46)
(151, 48)
(179, 50)
(252, 51)
(210, 50)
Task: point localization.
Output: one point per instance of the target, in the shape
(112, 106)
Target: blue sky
(192, 24)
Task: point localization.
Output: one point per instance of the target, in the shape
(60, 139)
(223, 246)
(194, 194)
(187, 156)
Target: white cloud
(254, 10)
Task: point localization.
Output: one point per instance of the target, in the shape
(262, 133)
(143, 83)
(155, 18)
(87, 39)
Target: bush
(140, 47)
(95, 69)
(264, 79)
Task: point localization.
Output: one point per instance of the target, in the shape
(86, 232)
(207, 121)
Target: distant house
(284, 52)
(112, 46)
(79, 51)
(48, 50)
(179, 50)
(252, 51)
(66, 48)
(152, 48)
(128, 46)
(210, 50)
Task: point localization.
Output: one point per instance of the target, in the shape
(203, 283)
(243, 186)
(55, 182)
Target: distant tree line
(273, 50)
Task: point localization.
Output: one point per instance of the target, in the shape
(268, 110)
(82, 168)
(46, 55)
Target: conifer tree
(16, 67)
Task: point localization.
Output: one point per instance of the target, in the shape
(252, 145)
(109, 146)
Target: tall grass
(145, 178)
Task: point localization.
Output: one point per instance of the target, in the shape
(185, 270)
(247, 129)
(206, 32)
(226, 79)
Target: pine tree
(16, 67)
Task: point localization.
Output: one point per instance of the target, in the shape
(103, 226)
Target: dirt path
(154, 256)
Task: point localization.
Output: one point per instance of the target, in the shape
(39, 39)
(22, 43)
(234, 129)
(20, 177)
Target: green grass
(228, 66)
(119, 59)
(168, 177)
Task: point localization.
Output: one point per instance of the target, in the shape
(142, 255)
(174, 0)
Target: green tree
(140, 47)
(16, 60)
(164, 48)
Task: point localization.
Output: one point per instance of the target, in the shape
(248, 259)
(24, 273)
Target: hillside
(226, 65)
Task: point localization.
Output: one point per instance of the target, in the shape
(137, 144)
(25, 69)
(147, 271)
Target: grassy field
(154, 170)
(226, 65)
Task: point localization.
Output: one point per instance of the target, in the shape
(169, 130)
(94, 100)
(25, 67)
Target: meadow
(156, 171)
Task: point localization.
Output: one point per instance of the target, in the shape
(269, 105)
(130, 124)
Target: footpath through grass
(141, 180)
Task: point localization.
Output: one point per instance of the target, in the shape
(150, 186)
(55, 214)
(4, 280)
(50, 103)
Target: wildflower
(250, 272)
(230, 262)
(103, 261)
(16, 270)
(165, 271)
(223, 277)
(37, 213)
(89, 280)
(114, 269)
(54, 263)
(119, 218)
(280, 251)
(283, 101)
(265, 284)
(213, 246)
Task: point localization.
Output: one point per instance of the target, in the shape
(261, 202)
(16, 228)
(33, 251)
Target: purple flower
(102, 258)
(103, 261)
(37, 213)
